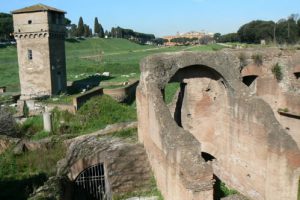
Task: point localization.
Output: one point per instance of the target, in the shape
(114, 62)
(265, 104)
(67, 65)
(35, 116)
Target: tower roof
(37, 8)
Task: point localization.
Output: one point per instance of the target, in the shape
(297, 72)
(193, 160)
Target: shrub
(103, 110)
(94, 114)
(283, 110)
(277, 71)
(30, 163)
(243, 60)
(31, 126)
(8, 125)
(258, 59)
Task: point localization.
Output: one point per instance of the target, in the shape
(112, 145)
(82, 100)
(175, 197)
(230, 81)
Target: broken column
(47, 121)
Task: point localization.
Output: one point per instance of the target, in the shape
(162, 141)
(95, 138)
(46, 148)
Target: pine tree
(86, 31)
(101, 33)
(80, 29)
(96, 27)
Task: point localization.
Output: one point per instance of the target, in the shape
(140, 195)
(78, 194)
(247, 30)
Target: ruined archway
(92, 183)
(200, 103)
(240, 131)
(103, 167)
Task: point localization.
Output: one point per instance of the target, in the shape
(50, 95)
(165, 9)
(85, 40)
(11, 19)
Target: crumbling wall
(218, 116)
(281, 95)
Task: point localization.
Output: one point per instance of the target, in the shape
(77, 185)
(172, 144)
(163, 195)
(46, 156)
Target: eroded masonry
(231, 118)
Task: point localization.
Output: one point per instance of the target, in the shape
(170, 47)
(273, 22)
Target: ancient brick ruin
(217, 125)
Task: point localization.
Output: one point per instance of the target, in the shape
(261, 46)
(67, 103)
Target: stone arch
(92, 183)
(35, 35)
(297, 71)
(31, 36)
(117, 157)
(249, 74)
(201, 100)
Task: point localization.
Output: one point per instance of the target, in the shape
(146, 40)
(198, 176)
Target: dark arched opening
(297, 75)
(91, 184)
(248, 80)
(207, 157)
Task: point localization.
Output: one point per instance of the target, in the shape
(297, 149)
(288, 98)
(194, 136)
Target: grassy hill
(90, 56)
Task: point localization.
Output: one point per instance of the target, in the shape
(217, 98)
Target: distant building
(40, 34)
(190, 35)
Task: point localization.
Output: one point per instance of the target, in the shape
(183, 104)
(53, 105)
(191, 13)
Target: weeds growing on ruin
(277, 71)
(258, 59)
(243, 60)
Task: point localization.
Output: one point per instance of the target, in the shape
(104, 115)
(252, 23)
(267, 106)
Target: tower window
(29, 22)
(29, 54)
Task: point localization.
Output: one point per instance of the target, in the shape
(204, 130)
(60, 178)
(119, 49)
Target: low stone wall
(62, 107)
(124, 94)
(79, 100)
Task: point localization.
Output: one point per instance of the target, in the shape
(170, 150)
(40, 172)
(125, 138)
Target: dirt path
(123, 52)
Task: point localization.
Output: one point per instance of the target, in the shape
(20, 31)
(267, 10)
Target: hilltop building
(190, 35)
(40, 32)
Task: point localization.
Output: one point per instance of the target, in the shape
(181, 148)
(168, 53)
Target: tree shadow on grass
(72, 40)
(87, 83)
(20, 189)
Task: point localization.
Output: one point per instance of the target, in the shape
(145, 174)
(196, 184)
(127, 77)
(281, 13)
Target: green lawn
(90, 56)
(9, 75)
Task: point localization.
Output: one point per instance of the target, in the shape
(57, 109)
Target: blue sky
(166, 17)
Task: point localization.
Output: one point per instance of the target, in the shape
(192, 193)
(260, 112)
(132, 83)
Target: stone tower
(40, 32)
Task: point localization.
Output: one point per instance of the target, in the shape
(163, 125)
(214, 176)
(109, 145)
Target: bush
(276, 70)
(8, 125)
(93, 115)
(258, 59)
(243, 60)
(283, 110)
(103, 110)
(32, 126)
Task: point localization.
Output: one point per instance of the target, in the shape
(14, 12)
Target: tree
(298, 24)
(217, 36)
(96, 27)
(287, 31)
(86, 32)
(159, 41)
(80, 29)
(230, 37)
(67, 22)
(101, 33)
(72, 32)
(6, 26)
(256, 31)
(90, 32)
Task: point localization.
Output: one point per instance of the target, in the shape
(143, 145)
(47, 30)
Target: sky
(167, 17)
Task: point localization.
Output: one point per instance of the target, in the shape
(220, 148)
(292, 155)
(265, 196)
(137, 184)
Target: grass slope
(118, 56)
